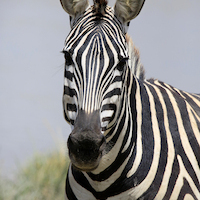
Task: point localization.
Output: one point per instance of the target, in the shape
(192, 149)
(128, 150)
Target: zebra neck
(145, 134)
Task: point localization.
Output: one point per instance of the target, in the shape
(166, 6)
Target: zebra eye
(121, 64)
(68, 58)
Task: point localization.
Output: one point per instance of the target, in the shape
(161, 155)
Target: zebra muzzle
(86, 143)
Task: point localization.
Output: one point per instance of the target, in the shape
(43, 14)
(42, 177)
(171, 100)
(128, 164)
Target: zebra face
(96, 57)
(95, 70)
(95, 54)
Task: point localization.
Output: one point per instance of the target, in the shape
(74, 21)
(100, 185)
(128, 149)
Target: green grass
(42, 178)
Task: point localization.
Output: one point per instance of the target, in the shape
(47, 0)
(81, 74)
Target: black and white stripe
(95, 54)
(152, 129)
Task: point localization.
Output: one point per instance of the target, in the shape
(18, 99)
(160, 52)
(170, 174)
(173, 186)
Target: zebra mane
(134, 59)
(99, 6)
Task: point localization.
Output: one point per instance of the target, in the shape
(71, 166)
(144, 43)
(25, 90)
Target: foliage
(43, 177)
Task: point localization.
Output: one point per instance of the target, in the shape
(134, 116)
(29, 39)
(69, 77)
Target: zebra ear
(74, 7)
(126, 10)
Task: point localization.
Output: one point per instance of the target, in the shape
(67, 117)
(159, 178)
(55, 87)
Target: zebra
(131, 138)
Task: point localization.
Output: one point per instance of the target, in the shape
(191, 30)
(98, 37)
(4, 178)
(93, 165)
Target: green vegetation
(42, 178)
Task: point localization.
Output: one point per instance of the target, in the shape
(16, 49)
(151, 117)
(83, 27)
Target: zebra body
(131, 138)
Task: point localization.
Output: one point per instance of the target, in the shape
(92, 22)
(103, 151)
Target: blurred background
(32, 34)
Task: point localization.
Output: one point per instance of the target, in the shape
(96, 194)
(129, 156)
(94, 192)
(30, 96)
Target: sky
(32, 34)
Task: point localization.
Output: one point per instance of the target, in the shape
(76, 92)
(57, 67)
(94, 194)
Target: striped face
(96, 57)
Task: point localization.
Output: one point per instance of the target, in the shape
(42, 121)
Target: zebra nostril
(85, 149)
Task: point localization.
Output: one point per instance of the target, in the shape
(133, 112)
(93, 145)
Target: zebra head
(95, 69)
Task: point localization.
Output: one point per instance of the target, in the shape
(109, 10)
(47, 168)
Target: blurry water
(32, 34)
